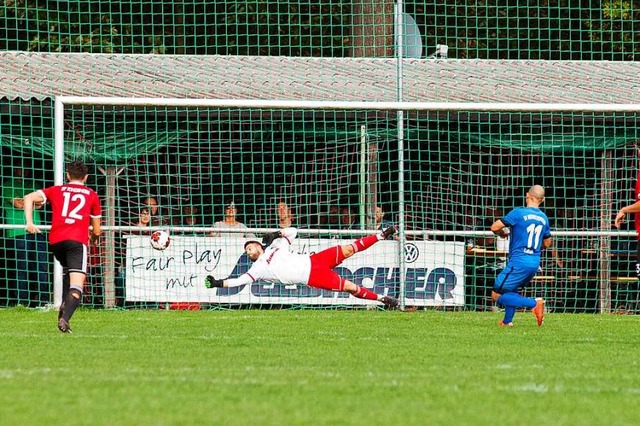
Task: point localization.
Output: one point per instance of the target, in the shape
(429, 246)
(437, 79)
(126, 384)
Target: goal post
(457, 162)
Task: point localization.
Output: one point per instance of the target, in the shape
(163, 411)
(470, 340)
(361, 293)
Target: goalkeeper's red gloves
(211, 282)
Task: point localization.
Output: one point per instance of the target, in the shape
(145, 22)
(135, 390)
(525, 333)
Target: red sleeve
(48, 193)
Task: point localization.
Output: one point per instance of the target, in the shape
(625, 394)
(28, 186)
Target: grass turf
(317, 367)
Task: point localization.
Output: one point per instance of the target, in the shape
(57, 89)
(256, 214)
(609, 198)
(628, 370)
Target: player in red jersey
(276, 264)
(74, 207)
(633, 208)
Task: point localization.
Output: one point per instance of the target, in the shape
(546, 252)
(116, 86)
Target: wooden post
(604, 243)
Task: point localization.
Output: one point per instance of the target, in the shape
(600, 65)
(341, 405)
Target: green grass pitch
(317, 367)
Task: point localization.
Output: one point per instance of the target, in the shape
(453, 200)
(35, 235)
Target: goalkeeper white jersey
(278, 264)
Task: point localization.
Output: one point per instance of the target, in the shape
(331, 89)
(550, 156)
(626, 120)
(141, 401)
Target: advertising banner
(434, 272)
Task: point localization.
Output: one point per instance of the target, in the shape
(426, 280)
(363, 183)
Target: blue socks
(513, 301)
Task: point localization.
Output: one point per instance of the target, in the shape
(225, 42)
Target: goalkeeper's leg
(364, 243)
(334, 256)
(364, 293)
(328, 279)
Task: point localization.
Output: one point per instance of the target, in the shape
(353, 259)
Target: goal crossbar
(350, 105)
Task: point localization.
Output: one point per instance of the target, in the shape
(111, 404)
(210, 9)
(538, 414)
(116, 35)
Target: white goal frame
(399, 107)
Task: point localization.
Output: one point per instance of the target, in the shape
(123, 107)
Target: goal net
(217, 173)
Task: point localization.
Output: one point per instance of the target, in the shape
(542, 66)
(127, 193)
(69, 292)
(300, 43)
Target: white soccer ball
(160, 240)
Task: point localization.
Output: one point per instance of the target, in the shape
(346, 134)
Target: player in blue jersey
(530, 234)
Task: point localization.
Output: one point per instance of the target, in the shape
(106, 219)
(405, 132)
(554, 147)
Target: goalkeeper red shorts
(322, 274)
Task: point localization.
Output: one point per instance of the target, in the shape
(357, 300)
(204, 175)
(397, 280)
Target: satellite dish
(411, 38)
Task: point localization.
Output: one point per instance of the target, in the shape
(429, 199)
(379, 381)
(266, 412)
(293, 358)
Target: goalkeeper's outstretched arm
(268, 238)
(289, 233)
(212, 282)
(280, 237)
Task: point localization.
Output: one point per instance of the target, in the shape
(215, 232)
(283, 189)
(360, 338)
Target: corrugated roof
(45, 75)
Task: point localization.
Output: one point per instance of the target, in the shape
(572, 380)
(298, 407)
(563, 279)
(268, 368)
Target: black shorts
(71, 255)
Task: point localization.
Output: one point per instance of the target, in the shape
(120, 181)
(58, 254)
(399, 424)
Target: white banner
(434, 272)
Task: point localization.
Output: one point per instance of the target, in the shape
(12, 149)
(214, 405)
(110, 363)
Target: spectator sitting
(189, 217)
(491, 215)
(285, 217)
(29, 251)
(329, 220)
(332, 219)
(381, 222)
(470, 225)
(142, 220)
(154, 211)
(230, 221)
(347, 219)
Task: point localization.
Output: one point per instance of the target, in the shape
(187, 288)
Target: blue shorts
(514, 277)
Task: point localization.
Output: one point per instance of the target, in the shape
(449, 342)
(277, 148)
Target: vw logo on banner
(411, 252)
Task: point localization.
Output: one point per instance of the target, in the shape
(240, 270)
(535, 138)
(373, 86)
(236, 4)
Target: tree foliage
(486, 29)
(253, 27)
(533, 29)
